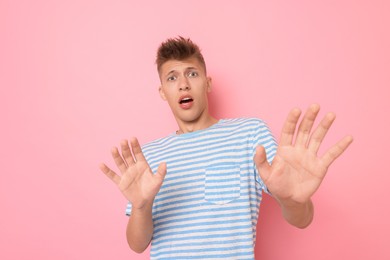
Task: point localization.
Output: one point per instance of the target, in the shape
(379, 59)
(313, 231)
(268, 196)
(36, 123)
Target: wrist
(142, 209)
(293, 204)
(298, 214)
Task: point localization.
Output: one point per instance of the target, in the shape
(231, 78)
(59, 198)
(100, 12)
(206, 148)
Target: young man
(196, 193)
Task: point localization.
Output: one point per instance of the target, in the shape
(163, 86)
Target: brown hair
(180, 49)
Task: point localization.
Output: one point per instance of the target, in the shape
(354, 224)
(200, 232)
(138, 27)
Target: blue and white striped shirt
(208, 205)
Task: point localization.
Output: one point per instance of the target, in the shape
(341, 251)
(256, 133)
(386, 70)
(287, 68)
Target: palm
(137, 182)
(296, 171)
(139, 185)
(295, 174)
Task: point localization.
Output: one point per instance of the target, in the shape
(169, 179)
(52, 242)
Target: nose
(184, 85)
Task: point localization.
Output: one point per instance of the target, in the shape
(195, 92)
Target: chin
(189, 118)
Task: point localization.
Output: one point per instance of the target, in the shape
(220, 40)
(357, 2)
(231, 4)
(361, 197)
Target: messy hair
(180, 49)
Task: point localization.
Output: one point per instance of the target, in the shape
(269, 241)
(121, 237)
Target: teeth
(185, 100)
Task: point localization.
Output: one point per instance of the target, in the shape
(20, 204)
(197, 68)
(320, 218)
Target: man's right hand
(137, 182)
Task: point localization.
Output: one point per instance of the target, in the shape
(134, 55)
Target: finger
(126, 153)
(289, 126)
(336, 150)
(320, 132)
(118, 160)
(110, 174)
(161, 171)
(306, 125)
(263, 167)
(137, 151)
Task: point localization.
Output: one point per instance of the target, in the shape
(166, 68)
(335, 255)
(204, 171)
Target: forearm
(297, 214)
(139, 230)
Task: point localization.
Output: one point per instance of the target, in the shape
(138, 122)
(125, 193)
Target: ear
(209, 84)
(162, 94)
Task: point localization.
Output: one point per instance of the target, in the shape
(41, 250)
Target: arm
(296, 171)
(139, 186)
(298, 214)
(139, 230)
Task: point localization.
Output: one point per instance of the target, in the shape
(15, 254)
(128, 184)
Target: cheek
(162, 95)
(167, 93)
(170, 98)
(171, 101)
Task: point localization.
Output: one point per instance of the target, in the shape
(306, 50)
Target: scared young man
(196, 193)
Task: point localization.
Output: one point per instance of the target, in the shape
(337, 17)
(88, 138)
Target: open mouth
(186, 100)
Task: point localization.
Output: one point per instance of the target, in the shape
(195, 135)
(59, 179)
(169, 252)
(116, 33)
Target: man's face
(184, 85)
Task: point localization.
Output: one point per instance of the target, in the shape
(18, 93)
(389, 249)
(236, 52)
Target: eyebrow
(188, 68)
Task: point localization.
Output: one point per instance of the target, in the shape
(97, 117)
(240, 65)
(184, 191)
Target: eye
(171, 78)
(193, 74)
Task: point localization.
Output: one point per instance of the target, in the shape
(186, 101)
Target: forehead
(180, 65)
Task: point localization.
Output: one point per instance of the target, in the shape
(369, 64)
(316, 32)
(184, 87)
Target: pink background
(78, 76)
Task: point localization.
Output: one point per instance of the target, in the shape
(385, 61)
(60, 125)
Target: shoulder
(251, 126)
(157, 143)
(247, 122)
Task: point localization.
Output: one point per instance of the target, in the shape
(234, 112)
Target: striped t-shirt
(208, 205)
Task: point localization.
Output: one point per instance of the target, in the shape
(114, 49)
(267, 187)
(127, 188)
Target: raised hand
(297, 171)
(136, 182)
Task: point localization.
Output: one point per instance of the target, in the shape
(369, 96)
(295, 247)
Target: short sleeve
(128, 209)
(263, 136)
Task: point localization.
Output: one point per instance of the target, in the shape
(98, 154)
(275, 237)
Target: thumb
(260, 159)
(161, 171)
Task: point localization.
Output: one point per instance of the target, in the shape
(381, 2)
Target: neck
(199, 124)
